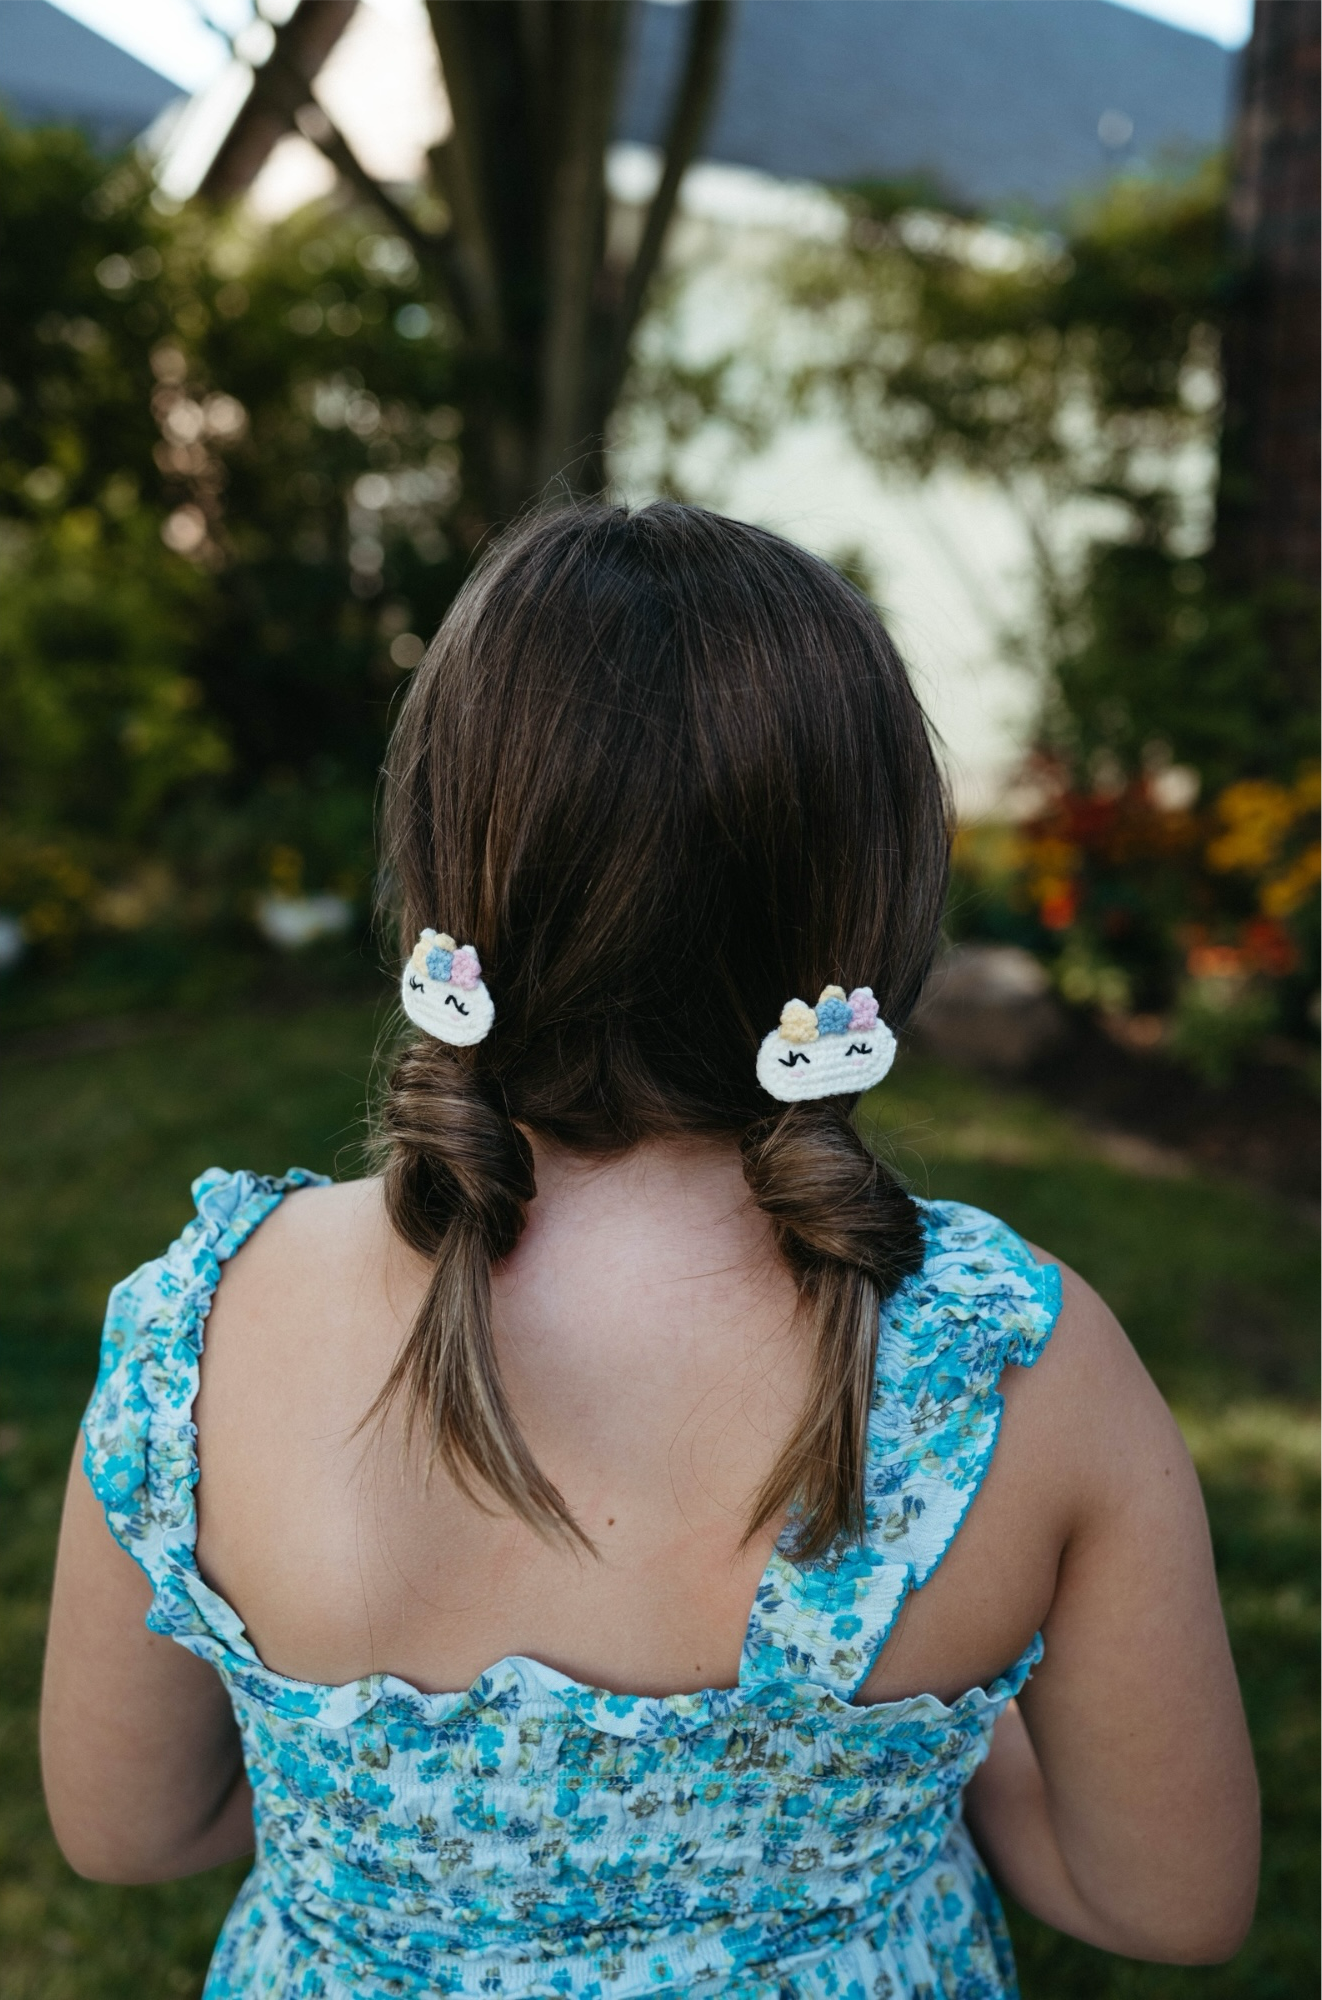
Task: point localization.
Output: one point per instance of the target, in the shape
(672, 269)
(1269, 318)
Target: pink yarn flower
(465, 970)
(862, 1008)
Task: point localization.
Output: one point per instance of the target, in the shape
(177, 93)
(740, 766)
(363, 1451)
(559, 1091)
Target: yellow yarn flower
(798, 1022)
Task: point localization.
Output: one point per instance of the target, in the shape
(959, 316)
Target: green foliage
(1218, 1021)
(1157, 653)
(1016, 352)
(99, 721)
(227, 462)
(1082, 373)
(677, 395)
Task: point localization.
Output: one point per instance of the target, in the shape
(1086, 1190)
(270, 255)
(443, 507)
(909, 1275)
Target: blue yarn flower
(439, 963)
(832, 1017)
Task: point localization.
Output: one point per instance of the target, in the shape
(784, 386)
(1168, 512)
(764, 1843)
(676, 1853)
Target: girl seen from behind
(631, 1545)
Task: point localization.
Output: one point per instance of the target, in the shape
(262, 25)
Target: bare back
(656, 1360)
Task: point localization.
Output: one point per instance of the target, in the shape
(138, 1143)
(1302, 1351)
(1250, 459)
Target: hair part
(664, 770)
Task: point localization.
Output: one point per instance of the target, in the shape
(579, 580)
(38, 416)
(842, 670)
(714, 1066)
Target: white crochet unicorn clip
(838, 1046)
(443, 993)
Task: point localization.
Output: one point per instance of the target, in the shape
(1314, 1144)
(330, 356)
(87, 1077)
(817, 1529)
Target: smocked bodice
(533, 1836)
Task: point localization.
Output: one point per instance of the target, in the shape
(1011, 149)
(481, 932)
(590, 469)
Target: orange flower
(1216, 961)
(1058, 905)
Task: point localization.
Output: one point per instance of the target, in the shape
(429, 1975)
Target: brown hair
(664, 770)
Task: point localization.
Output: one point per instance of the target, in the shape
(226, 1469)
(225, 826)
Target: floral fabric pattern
(536, 1838)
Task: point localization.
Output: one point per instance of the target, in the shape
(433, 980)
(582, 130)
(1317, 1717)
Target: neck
(659, 1233)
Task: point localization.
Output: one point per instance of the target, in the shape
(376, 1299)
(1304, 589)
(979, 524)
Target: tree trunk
(1267, 511)
(543, 306)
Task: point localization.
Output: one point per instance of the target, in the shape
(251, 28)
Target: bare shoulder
(1087, 1412)
(1087, 1335)
(303, 1327)
(324, 1256)
(315, 1218)
(311, 1228)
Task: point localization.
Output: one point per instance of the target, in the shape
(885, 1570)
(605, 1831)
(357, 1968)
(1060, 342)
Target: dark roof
(53, 70)
(995, 101)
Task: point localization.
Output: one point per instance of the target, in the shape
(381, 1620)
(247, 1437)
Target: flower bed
(1191, 925)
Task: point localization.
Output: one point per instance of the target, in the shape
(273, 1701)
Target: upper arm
(1135, 1712)
(140, 1752)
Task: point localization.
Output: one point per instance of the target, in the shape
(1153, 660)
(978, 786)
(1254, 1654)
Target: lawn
(1217, 1285)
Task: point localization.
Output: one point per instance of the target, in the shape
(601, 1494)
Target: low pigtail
(458, 1180)
(851, 1235)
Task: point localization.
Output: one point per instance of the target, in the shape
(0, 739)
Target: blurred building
(54, 71)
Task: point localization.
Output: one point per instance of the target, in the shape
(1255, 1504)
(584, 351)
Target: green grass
(1216, 1285)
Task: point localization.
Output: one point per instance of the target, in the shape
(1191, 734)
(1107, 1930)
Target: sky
(172, 36)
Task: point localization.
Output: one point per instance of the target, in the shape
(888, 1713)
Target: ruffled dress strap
(141, 1441)
(980, 1301)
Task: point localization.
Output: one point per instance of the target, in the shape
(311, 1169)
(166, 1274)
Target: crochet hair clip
(443, 992)
(839, 1046)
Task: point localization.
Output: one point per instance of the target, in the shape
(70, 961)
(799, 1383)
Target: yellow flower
(1284, 893)
(286, 865)
(1257, 816)
(1308, 788)
(1054, 857)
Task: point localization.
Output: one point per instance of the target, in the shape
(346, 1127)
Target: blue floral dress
(534, 1837)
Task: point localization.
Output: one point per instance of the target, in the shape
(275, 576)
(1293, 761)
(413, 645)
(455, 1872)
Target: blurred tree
(309, 461)
(1268, 517)
(100, 721)
(1267, 514)
(542, 293)
(219, 549)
